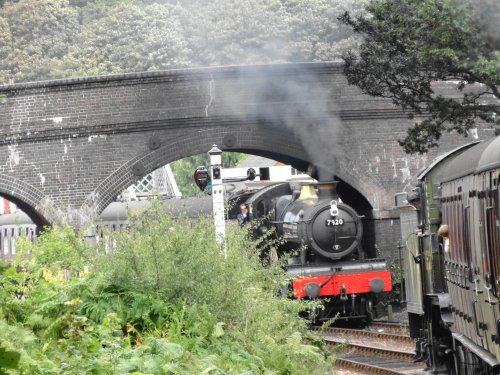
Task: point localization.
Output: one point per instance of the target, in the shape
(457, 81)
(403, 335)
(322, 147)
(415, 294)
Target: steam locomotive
(322, 239)
(453, 291)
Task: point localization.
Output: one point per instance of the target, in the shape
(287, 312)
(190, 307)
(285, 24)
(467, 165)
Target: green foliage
(17, 345)
(315, 34)
(165, 300)
(32, 35)
(410, 45)
(66, 38)
(8, 359)
(129, 37)
(397, 276)
(59, 248)
(154, 236)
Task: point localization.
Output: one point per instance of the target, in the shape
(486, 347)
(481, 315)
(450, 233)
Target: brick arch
(365, 184)
(253, 139)
(28, 198)
(250, 139)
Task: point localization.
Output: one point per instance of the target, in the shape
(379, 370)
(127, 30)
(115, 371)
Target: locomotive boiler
(322, 241)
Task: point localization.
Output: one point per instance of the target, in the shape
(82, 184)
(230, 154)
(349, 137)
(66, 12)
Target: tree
(32, 35)
(314, 34)
(228, 32)
(128, 38)
(412, 45)
(49, 39)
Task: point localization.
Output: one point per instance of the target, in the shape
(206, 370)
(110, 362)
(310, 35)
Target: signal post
(218, 194)
(211, 182)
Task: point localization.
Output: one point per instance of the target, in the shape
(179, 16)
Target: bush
(166, 300)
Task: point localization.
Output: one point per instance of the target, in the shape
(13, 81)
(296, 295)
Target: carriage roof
(192, 207)
(469, 159)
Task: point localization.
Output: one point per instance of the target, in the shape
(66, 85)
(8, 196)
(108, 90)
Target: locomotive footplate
(344, 279)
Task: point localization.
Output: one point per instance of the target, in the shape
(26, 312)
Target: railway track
(381, 348)
(398, 328)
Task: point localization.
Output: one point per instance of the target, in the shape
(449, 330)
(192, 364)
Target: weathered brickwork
(69, 147)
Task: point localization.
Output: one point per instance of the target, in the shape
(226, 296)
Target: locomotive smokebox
(317, 219)
(331, 229)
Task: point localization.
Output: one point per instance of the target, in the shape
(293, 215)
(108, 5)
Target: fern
(164, 301)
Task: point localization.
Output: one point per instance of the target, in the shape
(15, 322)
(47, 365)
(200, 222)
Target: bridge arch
(257, 140)
(28, 198)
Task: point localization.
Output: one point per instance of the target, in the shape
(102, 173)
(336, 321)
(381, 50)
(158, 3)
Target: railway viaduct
(69, 147)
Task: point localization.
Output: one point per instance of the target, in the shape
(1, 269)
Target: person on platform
(243, 215)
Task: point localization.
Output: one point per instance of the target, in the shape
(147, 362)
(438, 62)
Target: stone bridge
(69, 147)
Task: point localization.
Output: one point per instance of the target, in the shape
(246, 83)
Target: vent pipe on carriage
(327, 190)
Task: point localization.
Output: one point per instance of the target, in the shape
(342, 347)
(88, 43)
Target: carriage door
(489, 248)
(493, 228)
(492, 243)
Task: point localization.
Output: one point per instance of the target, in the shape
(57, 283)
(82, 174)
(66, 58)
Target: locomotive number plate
(334, 222)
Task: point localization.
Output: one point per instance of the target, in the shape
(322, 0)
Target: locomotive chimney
(307, 192)
(327, 190)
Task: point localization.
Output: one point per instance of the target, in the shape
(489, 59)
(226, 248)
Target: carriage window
(494, 231)
(488, 237)
(13, 239)
(466, 238)
(483, 235)
(455, 243)
(460, 241)
(448, 216)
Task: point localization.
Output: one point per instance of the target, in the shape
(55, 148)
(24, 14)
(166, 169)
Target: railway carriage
(453, 295)
(113, 218)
